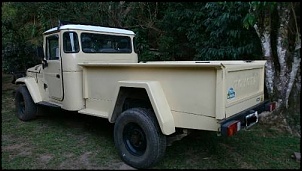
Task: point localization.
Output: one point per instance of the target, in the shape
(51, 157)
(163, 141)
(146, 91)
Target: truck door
(53, 71)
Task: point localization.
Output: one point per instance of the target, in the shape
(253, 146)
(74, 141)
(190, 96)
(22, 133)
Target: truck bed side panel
(187, 89)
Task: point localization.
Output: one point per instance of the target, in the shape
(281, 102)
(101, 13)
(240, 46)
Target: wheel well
(19, 83)
(130, 97)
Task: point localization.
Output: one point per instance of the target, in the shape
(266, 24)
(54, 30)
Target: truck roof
(90, 28)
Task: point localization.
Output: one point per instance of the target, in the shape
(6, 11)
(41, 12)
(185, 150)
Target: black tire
(138, 138)
(25, 106)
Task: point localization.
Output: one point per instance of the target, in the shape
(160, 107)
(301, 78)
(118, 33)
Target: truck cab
(59, 77)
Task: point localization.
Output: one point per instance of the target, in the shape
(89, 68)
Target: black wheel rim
(134, 139)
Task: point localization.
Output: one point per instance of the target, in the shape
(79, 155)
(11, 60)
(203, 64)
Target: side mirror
(40, 55)
(44, 63)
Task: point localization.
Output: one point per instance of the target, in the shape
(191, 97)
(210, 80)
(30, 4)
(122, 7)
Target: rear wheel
(25, 106)
(138, 138)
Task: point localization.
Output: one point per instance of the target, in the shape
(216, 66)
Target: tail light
(272, 106)
(230, 128)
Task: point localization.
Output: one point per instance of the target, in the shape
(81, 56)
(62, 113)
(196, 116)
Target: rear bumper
(247, 118)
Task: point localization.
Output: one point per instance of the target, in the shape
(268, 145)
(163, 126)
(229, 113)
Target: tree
(18, 34)
(279, 32)
(278, 28)
(24, 22)
(223, 37)
(207, 31)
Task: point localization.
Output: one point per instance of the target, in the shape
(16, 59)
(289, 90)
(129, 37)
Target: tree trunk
(282, 69)
(265, 37)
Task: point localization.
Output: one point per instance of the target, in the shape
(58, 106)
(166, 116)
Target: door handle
(58, 75)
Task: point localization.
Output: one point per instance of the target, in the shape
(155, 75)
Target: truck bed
(199, 93)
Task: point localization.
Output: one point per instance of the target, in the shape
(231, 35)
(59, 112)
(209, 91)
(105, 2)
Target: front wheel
(138, 138)
(25, 106)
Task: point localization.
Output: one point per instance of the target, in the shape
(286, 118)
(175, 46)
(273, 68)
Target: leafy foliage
(164, 31)
(174, 43)
(224, 35)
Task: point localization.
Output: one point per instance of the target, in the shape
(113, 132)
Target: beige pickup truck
(95, 71)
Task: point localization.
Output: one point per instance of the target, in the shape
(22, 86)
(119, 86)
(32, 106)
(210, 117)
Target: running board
(94, 113)
(48, 104)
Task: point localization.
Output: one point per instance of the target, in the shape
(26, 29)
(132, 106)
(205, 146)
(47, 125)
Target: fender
(32, 87)
(158, 100)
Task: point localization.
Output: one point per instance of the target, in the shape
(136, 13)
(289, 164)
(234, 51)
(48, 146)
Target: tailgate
(244, 86)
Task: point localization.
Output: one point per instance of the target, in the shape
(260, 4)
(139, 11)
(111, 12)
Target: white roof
(91, 28)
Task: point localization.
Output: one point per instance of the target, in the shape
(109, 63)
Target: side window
(52, 47)
(70, 42)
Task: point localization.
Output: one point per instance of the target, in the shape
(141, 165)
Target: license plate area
(251, 119)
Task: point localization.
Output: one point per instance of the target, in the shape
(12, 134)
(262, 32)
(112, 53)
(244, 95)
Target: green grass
(68, 140)
(253, 149)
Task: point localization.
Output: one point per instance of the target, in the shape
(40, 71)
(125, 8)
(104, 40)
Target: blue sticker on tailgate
(231, 93)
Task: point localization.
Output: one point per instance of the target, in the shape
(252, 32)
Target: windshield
(102, 43)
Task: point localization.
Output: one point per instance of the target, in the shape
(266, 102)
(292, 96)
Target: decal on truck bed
(231, 93)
